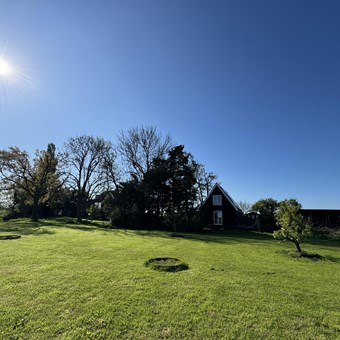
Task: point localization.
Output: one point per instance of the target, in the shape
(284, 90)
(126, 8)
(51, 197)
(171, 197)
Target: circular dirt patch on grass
(9, 237)
(166, 264)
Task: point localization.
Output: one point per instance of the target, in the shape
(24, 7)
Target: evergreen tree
(181, 183)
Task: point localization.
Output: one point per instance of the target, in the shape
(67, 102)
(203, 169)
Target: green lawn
(82, 282)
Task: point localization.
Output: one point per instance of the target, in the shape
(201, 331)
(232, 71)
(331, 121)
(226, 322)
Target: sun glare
(15, 79)
(5, 68)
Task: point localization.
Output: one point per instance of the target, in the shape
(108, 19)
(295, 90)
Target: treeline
(141, 180)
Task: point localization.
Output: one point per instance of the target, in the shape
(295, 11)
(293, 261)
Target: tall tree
(293, 226)
(167, 195)
(37, 179)
(140, 146)
(88, 160)
(181, 182)
(157, 192)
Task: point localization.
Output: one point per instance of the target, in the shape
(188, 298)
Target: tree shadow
(223, 237)
(85, 227)
(234, 235)
(324, 242)
(332, 258)
(228, 236)
(27, 227)
(35, 231)
(308, 256)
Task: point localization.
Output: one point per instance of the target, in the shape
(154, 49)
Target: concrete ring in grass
(166, 264)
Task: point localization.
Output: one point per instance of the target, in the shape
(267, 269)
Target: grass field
(73, 281)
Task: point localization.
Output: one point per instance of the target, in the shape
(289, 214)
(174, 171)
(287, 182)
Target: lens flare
(5, 68)
(16, 82)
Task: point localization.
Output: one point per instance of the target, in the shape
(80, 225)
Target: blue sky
(251, 88)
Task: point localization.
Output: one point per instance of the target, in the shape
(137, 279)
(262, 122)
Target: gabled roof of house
(225, 194)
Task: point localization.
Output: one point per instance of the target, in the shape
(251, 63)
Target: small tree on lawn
(293, 226)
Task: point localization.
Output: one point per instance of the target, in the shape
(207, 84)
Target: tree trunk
(79, 210)
(35, 211)
(297, 246)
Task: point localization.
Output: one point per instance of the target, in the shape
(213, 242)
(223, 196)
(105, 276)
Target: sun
(5, 68)
(14, 80)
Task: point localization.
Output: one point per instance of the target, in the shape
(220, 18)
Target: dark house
(329, 218)
(219, 210)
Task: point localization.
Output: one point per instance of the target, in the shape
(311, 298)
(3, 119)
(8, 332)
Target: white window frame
(217, 199)
(218, 217)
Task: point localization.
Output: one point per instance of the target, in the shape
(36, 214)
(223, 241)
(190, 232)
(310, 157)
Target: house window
(217, 199)
(218, 217)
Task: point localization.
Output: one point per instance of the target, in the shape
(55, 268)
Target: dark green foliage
(66, 202)
(157, 192)
(181, 183)
(94, 213)
(126, 206)
(267, 208)
(164, 198)
(18, 207)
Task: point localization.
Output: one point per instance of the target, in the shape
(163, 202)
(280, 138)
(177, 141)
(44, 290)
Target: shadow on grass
(223, 237)
(308, 256)
(85, 228)
(332, 258)
(28, 230)
(324, 242)
(9, 237)
(27, 227)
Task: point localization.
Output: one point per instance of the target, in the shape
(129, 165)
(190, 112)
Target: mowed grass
(82, 282)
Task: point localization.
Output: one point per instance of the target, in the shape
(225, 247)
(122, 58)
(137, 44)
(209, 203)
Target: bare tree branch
(140, 146)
